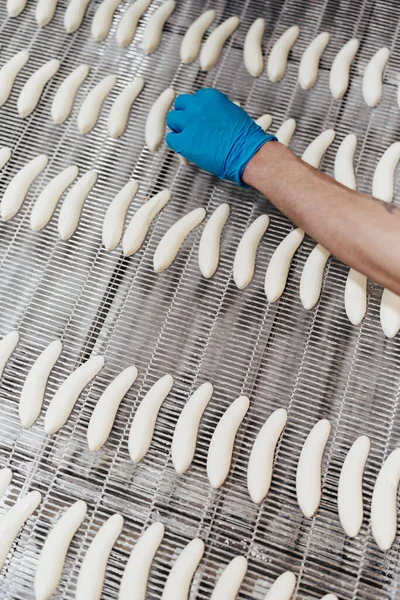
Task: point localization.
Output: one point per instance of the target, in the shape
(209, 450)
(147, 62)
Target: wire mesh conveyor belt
(313, 363)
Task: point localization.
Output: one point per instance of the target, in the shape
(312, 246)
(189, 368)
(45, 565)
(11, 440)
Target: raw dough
(221, 446)
(15, 7)
(71, 209)
(390, 313)
(65, 398)
(245, 257)
(384, 501)
(9, 72)
(54, 552)
(14, 520)
(330, 597)
(314, 152)
(309, 64)
(279, 265)
(212, 47)
(136, 573)
(308, 476)
(33, 390)
(19, 185)
(5, 155)
(91, 106)
(373, 77)
(66, 94)
(46, 203)
(156, 119)
(105, 411)
(45, 10)
(120, 110)
(191, 42)
(144, 421)
(102, 19)
(154, 28)
(283, 587)
(93, 569)
(140, 224)
(74, 15)
(278, 58)
(177, 586)
(228, 585)
(286, 131)
(340, 71)
(128, 24)
(33, 88)
(350, 492)
(187, 427)
(173, 239)
(355, 296)
(114, 219)
(344, 162)
(312, 276)
(5, 479)
(264, 121)
(209, 247)
(7, 347)
(252, 50)
(261, 462)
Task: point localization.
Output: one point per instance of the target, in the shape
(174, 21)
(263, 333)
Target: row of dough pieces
(209, 248)
(212, 48)
(260, 467)
(136, 572)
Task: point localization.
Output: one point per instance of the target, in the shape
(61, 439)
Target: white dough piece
(19, 185)
(91, 106)
(140, 223)
(33, 88)
(5, 155)
(5, 479)
(7, 347)
(278, 58)
(93, 569)
(286, 131)
(261, 462)
(221, 446)
(283, 587)
(66, 94)
(129, 21)
(308, 476)
(177, 586)
(350, 492)
(45, 11)
(210, 241)
(309, 64)
(245, 257)
(136, 573)
(9, 72)
(355, 296)
(33, 390)
(102, 19)
(330, 597)
(70, 212)
(46, 203)
(228, 585)
(120, 110)
(264, 121)
(173, 239)
(15, 7)
(340, 71)
(314, 152)
(114, 219)
(384, 501)
(390, 313)
(156, 119)
(212, 47)
(65, 398)
(14, 520)
(373, 77)
(104, 413)
(153, 32)
(279, 265)
(74, 15)
(312, 276)
(383, 181)
(144, 421)
(187, 427)
(252, 49)
(54, 552)
(191, 42)
(344, 162)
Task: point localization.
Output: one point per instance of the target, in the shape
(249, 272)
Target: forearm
(361, 231)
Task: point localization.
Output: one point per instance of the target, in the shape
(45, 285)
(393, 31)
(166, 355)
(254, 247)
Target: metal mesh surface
(313, 363)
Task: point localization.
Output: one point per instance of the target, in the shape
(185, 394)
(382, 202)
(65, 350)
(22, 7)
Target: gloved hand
(212, 132)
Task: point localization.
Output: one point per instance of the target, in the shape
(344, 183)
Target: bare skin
(359, 230)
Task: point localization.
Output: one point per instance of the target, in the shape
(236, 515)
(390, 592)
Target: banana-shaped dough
(373, 77)
(155, 122)
(309, 64)
(154, 28)
(45, 10)
(66, 94)
(120, 111)
(91, 106)
(114, 219)
(128, 24)
(9, 72)
(278, 58)
(46, 203)
(74, 14)
(33, 88)
(212, 47)
(140, 224)
(340, 71)
(210, 240)
(70, 213)
(191, 42)
(19, 186)
(252, 50)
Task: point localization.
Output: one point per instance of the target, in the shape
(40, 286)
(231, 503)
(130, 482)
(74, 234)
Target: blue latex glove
(212, 132)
